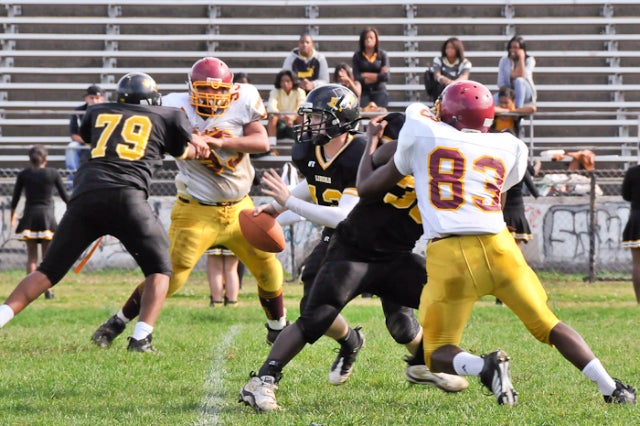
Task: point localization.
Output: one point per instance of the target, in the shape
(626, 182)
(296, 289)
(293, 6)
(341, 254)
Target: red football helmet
(466, 105)
(206, 74)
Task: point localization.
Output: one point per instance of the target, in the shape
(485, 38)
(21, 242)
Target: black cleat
(496, 377)
(108, 331)
(142, 345)
(624, 394)
(343, 365)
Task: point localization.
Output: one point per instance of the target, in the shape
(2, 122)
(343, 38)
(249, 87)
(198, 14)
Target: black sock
(272, 368)
(418, 357)
(350, 341)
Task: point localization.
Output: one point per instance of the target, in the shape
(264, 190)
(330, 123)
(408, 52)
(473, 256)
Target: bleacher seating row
(587, 75)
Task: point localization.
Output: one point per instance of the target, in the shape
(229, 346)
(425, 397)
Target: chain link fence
(577, 225)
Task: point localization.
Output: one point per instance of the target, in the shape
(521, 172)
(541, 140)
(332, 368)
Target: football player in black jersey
(370, 251)
(327, 153)
(128, 142)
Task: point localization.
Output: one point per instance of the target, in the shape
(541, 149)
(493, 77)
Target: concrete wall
(560, 226)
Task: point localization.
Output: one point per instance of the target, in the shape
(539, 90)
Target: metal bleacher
(587, 73)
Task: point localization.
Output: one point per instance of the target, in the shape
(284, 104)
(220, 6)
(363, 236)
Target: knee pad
(403, 326)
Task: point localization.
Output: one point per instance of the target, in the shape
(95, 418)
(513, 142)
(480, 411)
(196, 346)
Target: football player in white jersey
(212, 192)
(461, 173)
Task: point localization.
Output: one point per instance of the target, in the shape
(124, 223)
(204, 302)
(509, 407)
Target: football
(262, 231)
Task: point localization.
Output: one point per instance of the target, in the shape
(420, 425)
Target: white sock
(6, 313)
(120, 315)
(466, 364)
(272, 140)
(597, 374)
(142, 330)
(279, 323)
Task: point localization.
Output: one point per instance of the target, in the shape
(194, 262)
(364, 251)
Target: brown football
(262, 231)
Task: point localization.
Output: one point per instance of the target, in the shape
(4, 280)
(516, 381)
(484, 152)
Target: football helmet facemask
(210, 74)
(328, 111)
(466, 105)
(138, 88)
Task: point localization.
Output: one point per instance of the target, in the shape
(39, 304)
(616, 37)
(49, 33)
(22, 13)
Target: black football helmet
(336, 110)
(138, 88)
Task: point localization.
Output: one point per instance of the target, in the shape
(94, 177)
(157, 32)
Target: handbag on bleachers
(431, 86)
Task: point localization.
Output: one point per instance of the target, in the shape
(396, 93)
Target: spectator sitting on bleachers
(371, 68)
(282, 106)
(343, 74)
(309, 65)
(505, 118)
(515, 70)
(449, 67)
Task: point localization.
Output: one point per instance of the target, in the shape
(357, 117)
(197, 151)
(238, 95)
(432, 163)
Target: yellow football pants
(461, 270)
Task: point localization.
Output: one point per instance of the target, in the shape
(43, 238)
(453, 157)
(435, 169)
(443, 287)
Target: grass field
(51, 374)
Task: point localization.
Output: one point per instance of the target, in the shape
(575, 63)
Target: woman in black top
(38, 222)
(631, 233)
(371, 69)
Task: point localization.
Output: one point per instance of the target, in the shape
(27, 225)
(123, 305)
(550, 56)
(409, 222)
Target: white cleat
(259, 393)
(420, 375)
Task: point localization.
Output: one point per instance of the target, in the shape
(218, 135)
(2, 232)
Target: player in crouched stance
(129, 140)
(461, 172)
(211, 192)
(365, 254)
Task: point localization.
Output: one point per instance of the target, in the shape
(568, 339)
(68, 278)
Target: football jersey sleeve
(406, 139)
(256, 108)
(516, 174)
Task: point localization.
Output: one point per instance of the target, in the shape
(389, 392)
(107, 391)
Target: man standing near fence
(77, 151)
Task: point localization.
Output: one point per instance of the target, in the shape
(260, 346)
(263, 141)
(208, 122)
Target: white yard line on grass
(214, 398)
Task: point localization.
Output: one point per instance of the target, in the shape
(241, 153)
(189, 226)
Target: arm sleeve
(288, 61)
(85, 129)
(528, 181)
(355, 66)
(302, 97)
(62, 192)
(466, 67)
(301, 191)
(436, 65)
(329, 216)
(323, 73)
(272, 103)
(73, 125)
(520, 167)
(383, 77)
(17, 191)
(178, 144)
